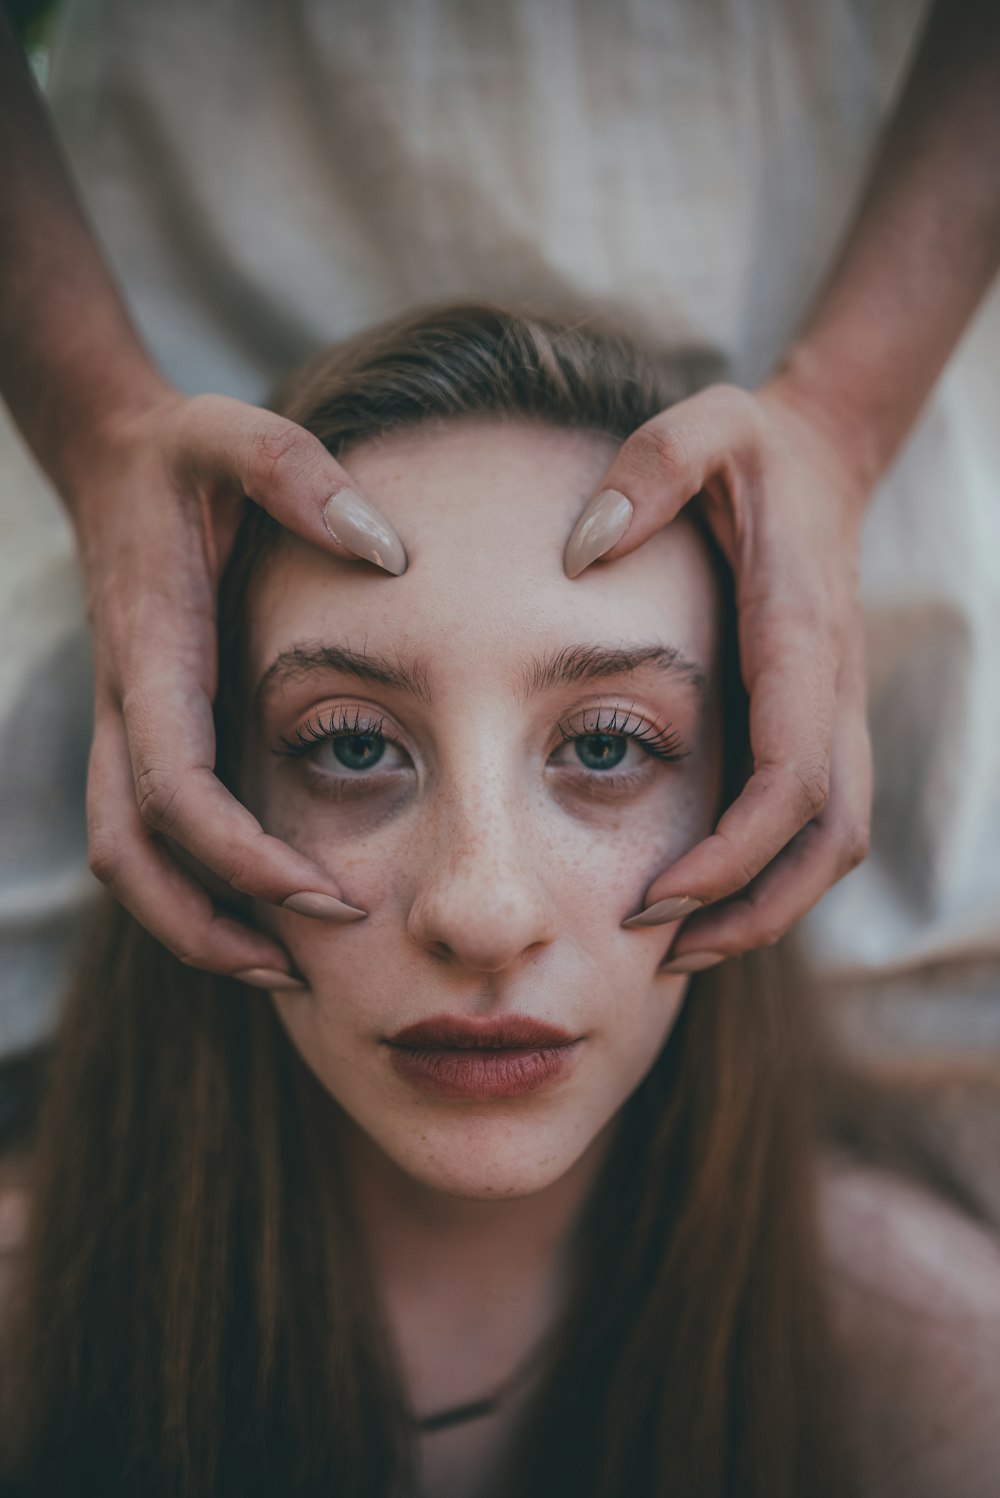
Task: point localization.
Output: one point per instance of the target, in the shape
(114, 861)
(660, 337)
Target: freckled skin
(496, 876)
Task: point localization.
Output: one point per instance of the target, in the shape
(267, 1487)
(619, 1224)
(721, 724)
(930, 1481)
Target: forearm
(70, 360)
(922, 249)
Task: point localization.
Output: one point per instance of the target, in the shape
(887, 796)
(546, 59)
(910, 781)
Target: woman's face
(493, 762)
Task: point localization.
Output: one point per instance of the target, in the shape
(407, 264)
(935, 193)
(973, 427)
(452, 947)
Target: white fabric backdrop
(269, 176)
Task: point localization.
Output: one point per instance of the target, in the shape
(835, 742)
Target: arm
(785, 474)
(923, 248)
(149, 475)
(59, 303)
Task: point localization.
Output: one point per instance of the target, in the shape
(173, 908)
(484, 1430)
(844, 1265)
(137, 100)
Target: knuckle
(239, 874)
(768, 935)
(660, 450)
(188, 953)
(810, 780)
(273, 450)
(761, 928)
(103, 855)
(739, 869)
(856, 845)
(156, 796)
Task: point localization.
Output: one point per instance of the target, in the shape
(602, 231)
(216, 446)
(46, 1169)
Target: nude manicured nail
(268, 977)
(322, 907)
(673, 909)
(601, 526)
(356, 524)
(694, 962)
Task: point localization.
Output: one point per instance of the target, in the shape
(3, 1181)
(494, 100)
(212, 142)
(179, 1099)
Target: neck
(468, 1286)
(418, 1233)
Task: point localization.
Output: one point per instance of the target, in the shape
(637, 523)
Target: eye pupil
(601, 751)
(358, 751)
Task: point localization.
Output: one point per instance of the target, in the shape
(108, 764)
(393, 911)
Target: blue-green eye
(344, 744)
(603, 741)
(358, 751)
(601, 751)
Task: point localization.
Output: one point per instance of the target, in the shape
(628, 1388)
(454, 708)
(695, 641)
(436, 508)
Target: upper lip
(447, 1032)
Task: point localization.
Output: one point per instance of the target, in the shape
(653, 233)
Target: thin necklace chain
(478, 1409)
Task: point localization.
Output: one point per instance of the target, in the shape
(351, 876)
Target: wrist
(836, 407)
(87, 441)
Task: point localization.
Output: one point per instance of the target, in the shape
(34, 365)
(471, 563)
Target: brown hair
(195, 1315)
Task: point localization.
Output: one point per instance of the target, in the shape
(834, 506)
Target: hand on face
(784, 496)
(157, 511)
(493, 762)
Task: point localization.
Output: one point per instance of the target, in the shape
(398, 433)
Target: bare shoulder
(916, 1302)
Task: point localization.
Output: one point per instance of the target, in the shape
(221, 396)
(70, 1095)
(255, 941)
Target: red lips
(508, 1032)
(483, 1060)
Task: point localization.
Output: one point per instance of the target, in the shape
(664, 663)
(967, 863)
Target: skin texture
(151, 479)
(496, 884)
(495, 873)
(495, 867)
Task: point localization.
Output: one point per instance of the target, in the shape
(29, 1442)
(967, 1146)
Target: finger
(661, 466)
(289, 473)
(790, 886)
(171, 745)
(823, 852)
(792, 706)
(147, 881)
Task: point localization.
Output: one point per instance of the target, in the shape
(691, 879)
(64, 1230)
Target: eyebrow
(596, 662)
(302, 660)
(575, 663)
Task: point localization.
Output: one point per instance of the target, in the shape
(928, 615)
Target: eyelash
(317, 730)
(661, 743)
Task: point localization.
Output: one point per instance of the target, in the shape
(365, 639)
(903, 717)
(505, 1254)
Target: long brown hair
(194, 1315)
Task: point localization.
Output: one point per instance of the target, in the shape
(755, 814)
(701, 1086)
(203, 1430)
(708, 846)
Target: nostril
(459, 923)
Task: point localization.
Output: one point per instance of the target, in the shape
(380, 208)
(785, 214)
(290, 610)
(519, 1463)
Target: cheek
(603, 859)
(356, 978)
(605, 852)
(360, 851)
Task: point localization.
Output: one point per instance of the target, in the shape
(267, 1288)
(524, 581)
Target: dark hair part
(195, 1316)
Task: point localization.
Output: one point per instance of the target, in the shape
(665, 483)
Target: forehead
(484, 509)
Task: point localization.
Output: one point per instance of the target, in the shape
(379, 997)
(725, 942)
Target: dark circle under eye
(601, 751)
(358, 751)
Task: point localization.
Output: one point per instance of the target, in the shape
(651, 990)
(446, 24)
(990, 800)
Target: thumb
(662, 465)
(289, 473)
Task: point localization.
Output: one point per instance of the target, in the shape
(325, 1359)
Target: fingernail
(354, 523)
(694, 962)
(602, 524)
(268, 977)
(665, 910)
(322, 907)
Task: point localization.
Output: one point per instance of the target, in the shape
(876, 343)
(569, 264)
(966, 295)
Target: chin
(485, 1162)
(486, 1183)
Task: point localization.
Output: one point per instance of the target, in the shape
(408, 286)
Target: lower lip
(483, 1073)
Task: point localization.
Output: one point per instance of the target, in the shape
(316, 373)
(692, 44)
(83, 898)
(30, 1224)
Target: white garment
(270, 176)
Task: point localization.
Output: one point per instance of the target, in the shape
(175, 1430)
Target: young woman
(490, 1202)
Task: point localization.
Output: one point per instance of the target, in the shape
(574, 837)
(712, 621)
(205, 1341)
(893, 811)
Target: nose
(481, 903)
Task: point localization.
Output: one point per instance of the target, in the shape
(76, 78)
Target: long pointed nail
(673, 909)
(322, 907)
(694, 962)
(356, 524)
(268, 977)
(601, 526)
